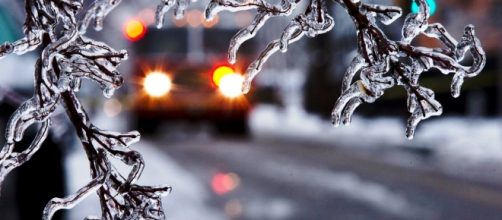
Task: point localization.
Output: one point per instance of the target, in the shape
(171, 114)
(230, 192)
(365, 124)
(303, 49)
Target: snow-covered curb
(451, 138)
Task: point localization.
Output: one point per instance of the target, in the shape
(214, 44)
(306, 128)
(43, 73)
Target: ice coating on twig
(312, 22)
(179, 10)
(67, 58)
(379, 60)
(97, 13)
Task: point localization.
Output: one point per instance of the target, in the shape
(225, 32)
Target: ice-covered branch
(66, 59)
(381, 62)
(312, 22)
(179, 9)
(42, 17)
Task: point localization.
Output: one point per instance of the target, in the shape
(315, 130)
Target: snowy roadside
(187, 191)
(454, 141)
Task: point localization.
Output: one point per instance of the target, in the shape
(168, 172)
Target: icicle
(99, 10)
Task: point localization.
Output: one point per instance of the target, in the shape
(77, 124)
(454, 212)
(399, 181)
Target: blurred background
(271, 154)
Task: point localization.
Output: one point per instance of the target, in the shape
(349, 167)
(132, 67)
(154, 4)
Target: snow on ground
(454, 139)
(159, 169)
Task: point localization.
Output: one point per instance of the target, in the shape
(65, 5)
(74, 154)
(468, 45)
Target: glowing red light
(223, 183)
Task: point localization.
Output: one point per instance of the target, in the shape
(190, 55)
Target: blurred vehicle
(181, 73)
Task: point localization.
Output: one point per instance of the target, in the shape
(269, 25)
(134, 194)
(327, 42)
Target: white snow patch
(455, 139)
(474, 140)
(273, 121)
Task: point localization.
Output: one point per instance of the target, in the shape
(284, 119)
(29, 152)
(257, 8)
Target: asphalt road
(264, 178)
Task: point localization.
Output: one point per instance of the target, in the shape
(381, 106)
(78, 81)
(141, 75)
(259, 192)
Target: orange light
(220, 72)
(134, 29)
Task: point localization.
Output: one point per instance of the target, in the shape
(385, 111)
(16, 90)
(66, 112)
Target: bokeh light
(134, 29)
(223, 183)
(112, 107)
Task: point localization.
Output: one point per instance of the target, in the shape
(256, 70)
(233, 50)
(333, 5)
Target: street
(273, 178)
(79, 78)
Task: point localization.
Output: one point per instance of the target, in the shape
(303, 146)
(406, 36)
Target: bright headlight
(230, 85)
(157, 84)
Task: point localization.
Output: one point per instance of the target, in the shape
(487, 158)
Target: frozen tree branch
(179, 6)
(67, 58)
(312, 22)
(381, 62)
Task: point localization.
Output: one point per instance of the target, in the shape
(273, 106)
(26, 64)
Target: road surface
(278, 178)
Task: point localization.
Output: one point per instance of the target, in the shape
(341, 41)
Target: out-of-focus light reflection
(180, 22)
(147, 15)
(231, 85)
(233, 209)
(112, 107)
(157, 84)
(134, 29)
(194, 18)
(223, 183)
